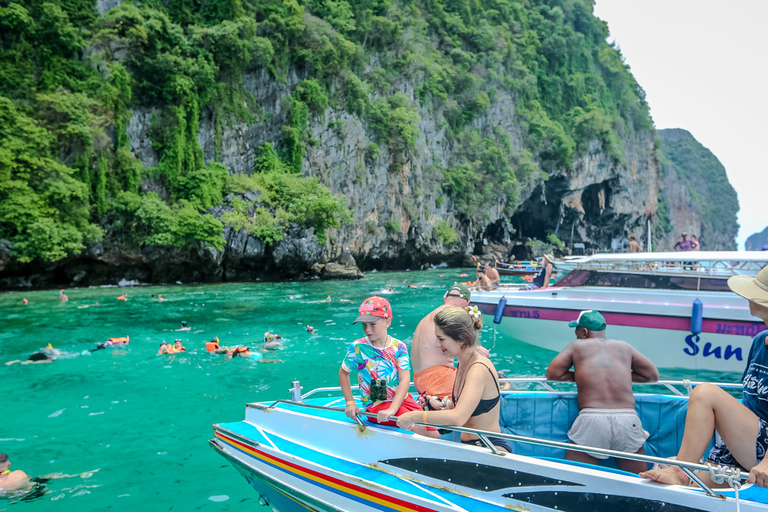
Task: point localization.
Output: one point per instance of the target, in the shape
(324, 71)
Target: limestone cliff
(697, 196)
(757, 241)
(447, 129)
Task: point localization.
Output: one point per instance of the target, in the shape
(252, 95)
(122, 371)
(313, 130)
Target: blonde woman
(476, 396)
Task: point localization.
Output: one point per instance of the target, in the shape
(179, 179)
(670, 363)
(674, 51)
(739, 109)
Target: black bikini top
(484, 405)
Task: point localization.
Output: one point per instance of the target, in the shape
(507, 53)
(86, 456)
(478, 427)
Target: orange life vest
(119, 341)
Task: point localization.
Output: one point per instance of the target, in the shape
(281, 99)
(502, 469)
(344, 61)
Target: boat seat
(550, 416)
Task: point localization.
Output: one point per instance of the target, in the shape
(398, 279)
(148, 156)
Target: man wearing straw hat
(542, 280)
(743, 427)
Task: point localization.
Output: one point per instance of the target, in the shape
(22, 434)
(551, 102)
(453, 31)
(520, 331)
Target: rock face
(697, 196)
(755, 242)
(396, 208)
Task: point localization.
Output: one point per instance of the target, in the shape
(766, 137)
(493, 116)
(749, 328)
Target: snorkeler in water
(271, 342)
(112, 342)
(46, 355)
(215, 346)
(247, 353)
(184, 326)
(310, 329)
(178, 346)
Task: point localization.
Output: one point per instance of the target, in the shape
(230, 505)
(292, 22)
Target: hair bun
(476, 316)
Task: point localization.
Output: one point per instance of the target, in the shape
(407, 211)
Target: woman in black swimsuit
(476, 392)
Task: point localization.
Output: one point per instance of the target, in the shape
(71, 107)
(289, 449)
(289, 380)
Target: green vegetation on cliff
(707, 184)
(69, 78)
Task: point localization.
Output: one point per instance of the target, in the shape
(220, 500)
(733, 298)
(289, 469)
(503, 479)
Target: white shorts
(612, 429)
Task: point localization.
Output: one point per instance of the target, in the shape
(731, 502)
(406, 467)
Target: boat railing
(542, 382)
(732, 476)
(672, 385)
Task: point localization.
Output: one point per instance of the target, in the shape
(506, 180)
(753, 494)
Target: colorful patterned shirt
(376, 363)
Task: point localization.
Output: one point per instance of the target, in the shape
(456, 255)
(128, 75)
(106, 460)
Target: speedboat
(306, 454)
(675, 308)
(520, 269)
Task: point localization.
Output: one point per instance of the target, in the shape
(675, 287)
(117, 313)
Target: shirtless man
(482, 282)
(604, 371)
(633, 245)
(63, 296)
(10, 480)
(492, 274)
(433, 371)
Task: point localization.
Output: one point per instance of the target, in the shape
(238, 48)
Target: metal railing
(671, 385)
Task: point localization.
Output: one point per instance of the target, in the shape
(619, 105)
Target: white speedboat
(647, 300)
(305, 454)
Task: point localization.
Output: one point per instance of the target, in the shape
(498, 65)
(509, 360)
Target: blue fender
(697, 317)
(499, 314)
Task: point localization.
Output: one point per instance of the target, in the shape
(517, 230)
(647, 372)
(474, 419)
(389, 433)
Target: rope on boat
(732, 476)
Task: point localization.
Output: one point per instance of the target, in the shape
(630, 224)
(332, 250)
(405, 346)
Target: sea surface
(132, 426)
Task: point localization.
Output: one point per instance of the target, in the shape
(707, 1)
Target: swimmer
(122, 297)
(10, 480)
(271, 343)
(46, 355)
(178, 346)
(215, 347)
(462, 275)
(184, 326)
(26, 302)
(165, 348)
(160, 298)
(113, 342)
(310, 329)
(87, 305)
(247, 353)
(63, 296)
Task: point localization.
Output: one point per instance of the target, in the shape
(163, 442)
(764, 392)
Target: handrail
(543, 382)
(669, 384)
(689, 468)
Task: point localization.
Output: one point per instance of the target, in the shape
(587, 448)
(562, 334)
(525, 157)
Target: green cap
(460, 290)
(591, 320)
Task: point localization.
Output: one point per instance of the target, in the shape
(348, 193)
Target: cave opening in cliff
(596, 199)
(537, 217)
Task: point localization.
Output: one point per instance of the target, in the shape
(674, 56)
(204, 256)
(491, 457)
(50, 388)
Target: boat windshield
(638, 280)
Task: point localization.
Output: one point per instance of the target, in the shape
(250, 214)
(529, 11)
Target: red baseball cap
(374, 308)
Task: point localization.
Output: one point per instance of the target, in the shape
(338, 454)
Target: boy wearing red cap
(383, 368)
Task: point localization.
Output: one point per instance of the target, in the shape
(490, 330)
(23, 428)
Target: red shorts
(408, 405)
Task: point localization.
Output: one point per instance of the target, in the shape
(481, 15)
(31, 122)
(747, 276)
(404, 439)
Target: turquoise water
(137, 423)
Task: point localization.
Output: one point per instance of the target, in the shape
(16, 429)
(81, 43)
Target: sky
(704, 67)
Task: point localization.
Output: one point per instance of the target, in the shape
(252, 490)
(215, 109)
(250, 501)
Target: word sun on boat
(675, 308)
(306, 454)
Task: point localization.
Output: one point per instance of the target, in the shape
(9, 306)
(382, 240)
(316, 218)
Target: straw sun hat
(754, 289)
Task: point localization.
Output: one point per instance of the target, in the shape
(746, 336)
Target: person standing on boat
(633, 245)
(604, 371)
(695, 245)
(542, 280)
(476, 396)
(383, 368)
(433, 370)
(493, 274)
(743, 426)
(683, 244)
